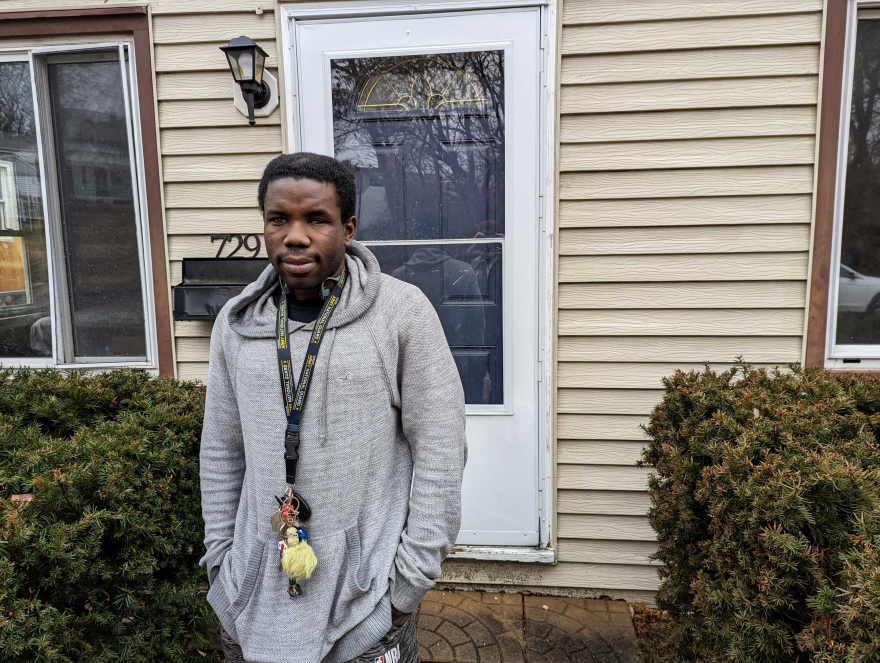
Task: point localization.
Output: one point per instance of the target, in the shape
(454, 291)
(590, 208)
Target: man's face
(305, 236)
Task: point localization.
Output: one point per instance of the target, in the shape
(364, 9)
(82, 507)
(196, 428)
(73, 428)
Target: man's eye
(276, 220)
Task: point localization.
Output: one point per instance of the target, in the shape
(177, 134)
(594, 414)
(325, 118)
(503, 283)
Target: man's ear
(349, 228)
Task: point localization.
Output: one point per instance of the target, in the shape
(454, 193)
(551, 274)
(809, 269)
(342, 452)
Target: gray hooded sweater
(381, 458)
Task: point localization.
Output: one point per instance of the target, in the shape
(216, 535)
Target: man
(377, 455)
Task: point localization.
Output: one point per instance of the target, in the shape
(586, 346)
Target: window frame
(38, 58)
(35, 36)
(836, 354)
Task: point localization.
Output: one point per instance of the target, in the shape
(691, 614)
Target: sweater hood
(252, 314)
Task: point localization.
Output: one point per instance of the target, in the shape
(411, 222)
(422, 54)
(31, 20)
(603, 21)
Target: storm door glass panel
(25, 321)
(98, 221)
(423, 136)
(858, 291)
(464, 284)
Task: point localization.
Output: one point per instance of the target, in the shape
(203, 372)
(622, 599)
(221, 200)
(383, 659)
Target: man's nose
(297, 234)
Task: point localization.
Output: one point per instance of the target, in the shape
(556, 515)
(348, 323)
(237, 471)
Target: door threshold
(504, 554)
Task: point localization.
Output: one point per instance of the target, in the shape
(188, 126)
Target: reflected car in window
(858, 293)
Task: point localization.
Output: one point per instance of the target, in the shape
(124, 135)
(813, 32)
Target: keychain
(298, 559)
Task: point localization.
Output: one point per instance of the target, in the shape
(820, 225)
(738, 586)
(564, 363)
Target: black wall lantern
(246, 61)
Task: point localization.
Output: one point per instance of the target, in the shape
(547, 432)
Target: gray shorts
(399, 645)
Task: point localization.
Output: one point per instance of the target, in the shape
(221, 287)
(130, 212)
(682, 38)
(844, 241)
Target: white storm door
(437, 118)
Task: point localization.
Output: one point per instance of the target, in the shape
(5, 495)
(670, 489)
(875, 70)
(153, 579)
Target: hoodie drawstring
(327, 387)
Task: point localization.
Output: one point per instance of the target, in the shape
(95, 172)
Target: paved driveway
(478, 627)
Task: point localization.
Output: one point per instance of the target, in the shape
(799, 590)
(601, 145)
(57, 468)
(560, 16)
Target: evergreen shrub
(766, 504)
(102, 563)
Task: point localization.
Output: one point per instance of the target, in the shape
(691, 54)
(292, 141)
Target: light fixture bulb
(246, 66)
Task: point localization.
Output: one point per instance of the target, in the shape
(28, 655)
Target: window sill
(504, 554)
(139, 365)
(849, 365)
(36, 364)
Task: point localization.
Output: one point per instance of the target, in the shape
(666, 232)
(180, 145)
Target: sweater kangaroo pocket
(357, 578)
(253, 569)
(354, 599)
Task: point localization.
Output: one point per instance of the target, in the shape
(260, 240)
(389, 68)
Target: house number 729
(243, 240)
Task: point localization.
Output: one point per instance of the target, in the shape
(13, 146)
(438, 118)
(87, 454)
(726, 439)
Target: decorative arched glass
(423, 83)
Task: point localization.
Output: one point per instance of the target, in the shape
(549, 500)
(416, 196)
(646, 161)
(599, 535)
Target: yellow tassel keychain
(298, 559)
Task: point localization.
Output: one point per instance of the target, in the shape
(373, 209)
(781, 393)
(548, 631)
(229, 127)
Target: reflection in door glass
(424, 137)
(464, 285)
(25, 321)
(858, 301)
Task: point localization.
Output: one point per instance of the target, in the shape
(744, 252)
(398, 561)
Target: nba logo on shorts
(391, 656)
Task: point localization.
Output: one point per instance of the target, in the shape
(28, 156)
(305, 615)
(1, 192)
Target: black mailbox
(208, 283)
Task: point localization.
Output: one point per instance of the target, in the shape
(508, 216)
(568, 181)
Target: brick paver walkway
(477, 627)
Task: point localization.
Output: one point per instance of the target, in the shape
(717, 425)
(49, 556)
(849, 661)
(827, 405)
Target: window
(424, 137)
(75, 277)
(843, 322)
(854, 296)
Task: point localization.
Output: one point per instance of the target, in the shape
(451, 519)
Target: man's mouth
(297, 266)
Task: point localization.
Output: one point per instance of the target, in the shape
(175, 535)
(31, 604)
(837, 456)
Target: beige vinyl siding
(649, 268)
(619, 552)
(693, 94)
(191, 29)
(685, 65)
(184, 86)
(212, 159)
(261, 139)
(683, 211)
(191, 340)
(200, 57)
(687, 143)
(669, 125)
(689, 34)
(763, 151)
(586, 12)
(764, 294)
(189, 221)
(603, 502)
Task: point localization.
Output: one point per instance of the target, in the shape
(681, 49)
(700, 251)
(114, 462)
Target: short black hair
(315, 167)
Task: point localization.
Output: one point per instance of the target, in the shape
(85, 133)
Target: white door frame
(336, 9)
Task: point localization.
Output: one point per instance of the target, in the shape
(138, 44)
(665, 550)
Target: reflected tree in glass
(432, 165)
(858, 308)
(423, 136)
(25, 322)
